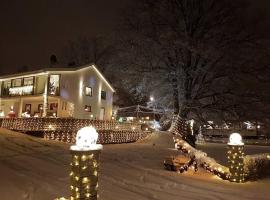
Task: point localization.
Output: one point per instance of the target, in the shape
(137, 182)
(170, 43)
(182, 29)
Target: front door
(102, 113)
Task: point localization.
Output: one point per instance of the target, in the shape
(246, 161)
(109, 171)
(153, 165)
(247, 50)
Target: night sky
(32, 30)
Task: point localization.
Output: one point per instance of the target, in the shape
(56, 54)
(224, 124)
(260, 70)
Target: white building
(57, 92)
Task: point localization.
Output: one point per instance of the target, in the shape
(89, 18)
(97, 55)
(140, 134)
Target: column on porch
(45, 99)
(58, 107)
(20, 107)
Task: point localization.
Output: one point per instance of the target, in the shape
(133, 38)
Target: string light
(197, 158)
(236, 158)
(64, 129)
(85, 155)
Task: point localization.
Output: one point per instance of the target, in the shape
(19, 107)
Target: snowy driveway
(31, 168)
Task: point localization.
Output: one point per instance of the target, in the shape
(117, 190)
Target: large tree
(202, 50)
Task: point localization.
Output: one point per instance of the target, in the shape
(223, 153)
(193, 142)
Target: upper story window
(28, 81)
(17, 82)
(5, 88)
(88, 91)
(54, 85)
(7, 84)
(103, 95)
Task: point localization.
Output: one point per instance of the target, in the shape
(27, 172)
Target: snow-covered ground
(32, 168)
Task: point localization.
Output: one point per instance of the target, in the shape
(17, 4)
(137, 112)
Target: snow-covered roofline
(61, 69)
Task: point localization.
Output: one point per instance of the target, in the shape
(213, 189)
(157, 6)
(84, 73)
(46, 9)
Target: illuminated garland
(49, 124)
(105, 136)
(197, 158)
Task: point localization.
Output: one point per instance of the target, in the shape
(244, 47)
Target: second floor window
(17, 82)
(54, 84)
(28, 81)
(88, 91)
(103, 95)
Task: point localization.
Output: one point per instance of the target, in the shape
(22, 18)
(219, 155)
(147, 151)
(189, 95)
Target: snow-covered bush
(257, 166)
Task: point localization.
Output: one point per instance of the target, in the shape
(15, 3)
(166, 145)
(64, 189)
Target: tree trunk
(175, 95)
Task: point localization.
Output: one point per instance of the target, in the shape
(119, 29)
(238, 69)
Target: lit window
(17, 82)
(40, 107)
(88, 91)
(54, 84)
(28, 81)
(87, 108)
(103, 95)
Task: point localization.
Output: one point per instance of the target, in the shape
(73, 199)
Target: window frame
(87, 108)
(91, 91)
(102, 95)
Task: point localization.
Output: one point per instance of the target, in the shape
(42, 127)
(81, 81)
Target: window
(40, 107)
(87, 108)
(53, 106)
(28, 81)
(103, 95)
(88, 91)
(17, 82)
(54, 84)
(27, 108)
(6, 86)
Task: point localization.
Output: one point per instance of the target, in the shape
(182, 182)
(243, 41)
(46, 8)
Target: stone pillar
(236, 158)
(84, 174)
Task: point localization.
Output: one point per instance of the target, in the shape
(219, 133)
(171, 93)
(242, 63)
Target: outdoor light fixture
(86, 139)
(236, 158)
(235, 139)
(84, 165)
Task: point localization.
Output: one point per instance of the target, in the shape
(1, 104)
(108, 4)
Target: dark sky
(32, 30)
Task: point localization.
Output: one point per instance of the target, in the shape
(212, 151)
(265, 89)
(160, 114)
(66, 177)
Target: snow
(36, 169)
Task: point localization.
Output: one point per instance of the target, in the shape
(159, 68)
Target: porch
(35, 106)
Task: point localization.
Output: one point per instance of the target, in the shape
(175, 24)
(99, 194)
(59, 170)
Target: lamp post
(236, 158)
(84, 165)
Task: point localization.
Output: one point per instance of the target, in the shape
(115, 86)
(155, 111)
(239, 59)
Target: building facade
(82, 93)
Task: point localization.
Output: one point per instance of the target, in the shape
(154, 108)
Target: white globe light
(235, 139)
(86, 139)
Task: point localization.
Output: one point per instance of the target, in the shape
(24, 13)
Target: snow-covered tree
(201, 51)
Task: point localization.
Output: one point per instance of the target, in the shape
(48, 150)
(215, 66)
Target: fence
(51, 124)
(65, 129)
(104, 136)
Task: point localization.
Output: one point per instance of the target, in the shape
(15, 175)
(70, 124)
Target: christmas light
(236, 158)
(85, 155)
(235, 139)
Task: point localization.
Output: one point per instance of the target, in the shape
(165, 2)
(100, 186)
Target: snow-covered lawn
(32, 168)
